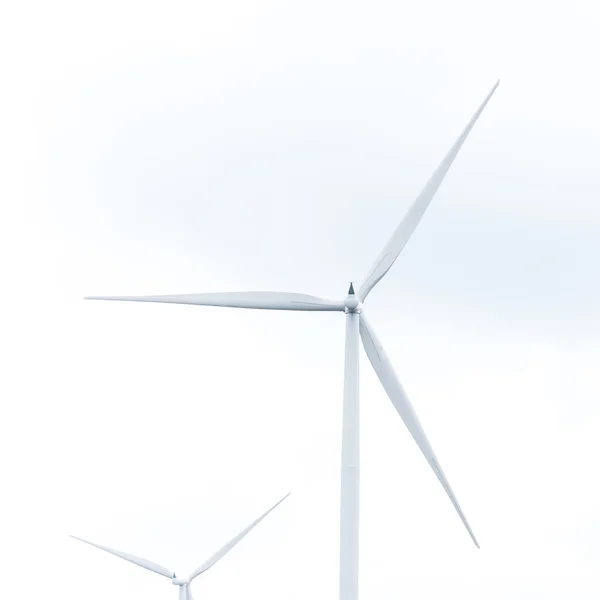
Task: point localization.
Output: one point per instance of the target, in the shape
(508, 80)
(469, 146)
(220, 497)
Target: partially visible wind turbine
(355, 322)
(185, 593)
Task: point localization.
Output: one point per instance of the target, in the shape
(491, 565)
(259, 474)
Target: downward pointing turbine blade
(189, 592)
(233, 542)
(400, 400)
(258, 300)
(412, 218)
(142, 562)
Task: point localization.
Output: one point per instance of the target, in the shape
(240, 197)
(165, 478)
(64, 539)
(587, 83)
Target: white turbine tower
(356, 323)
(185, 593)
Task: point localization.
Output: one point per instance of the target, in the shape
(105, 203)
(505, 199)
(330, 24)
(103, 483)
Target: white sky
(192, 146)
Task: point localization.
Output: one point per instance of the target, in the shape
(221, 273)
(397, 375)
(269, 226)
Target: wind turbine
(185, 593)
(356, 325)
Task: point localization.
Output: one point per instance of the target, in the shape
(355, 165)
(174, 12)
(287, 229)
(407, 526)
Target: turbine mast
(350, 476)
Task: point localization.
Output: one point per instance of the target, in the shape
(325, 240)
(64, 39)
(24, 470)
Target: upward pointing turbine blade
(395, 245)
(142, 562)
(400, 400)
(257, 300)
(233, 542)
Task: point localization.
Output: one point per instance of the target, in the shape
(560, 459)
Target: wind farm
(357, 327)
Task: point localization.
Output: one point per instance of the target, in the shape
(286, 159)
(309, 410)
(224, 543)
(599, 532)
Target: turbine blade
(392, 250)
(400, 400)
(258, 300)
(233, 542)
(142, 562)
(189, 592)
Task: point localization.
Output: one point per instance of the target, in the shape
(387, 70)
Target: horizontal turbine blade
(400, 400)
(258, 300)
(392, 250)
(233, 542)
(142, 562)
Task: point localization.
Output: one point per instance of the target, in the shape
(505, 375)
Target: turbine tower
(185, 593)
(356, 326)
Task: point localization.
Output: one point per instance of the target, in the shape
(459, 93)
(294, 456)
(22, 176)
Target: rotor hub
(178, 581)
(351, 302)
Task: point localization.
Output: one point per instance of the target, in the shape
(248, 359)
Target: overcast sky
(182, 147)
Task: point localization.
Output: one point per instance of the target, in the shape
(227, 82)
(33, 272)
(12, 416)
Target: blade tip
(494, 88)
(78, 539)
(282, 499)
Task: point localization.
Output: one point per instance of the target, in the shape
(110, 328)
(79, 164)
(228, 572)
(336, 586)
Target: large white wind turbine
(185, 593)
(356, 323)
